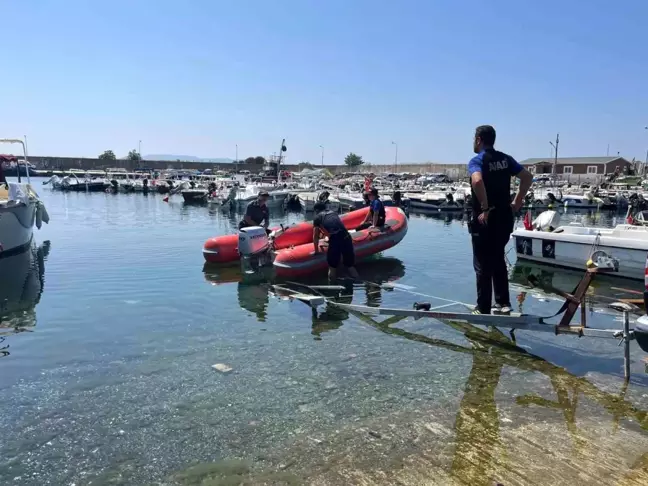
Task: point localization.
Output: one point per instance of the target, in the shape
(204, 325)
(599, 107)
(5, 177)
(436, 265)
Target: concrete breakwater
(66, 163)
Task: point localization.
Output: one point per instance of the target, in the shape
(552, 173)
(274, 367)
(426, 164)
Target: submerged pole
(626, 344)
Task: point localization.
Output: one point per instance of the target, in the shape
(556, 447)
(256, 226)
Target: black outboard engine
(323, 196)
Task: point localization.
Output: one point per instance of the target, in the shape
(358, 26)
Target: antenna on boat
(26, 162)
(281, 151)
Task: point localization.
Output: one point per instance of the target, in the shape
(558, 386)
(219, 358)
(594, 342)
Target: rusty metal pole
(626, 344)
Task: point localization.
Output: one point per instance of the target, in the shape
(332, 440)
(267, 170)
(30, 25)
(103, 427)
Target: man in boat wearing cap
(376, 215)
(340, 244)
(257, 212)
(492, 217)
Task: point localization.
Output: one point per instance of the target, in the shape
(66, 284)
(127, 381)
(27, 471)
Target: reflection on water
(22, 278)
(603, 290)
(253, 289)
(487, 447)
(479, 449)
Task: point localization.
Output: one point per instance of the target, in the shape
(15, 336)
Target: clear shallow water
(113, 384)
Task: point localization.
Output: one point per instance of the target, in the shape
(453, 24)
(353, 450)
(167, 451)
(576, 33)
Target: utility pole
(322, 155)
(395, 158)
(555, 146)
(236, 158)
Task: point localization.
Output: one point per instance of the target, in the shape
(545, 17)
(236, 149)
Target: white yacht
(573, 245)
(20, 210)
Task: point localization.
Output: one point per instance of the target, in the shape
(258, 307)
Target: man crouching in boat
(257, 212)
(376, 215)
(340, 244)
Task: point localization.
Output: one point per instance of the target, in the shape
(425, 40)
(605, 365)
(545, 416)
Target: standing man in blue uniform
(492, 217)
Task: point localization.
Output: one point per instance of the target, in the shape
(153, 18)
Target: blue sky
(198, 77)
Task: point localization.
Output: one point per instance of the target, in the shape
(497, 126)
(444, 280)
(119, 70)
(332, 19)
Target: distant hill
(185, 158)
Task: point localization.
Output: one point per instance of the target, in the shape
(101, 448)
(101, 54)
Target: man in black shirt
(257, 212)
(340, 245)
(492, 217)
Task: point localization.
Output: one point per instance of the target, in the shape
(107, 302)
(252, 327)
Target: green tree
(353, 160)
(305, 165)
(259, 160)
(134, 155)
(108, 155)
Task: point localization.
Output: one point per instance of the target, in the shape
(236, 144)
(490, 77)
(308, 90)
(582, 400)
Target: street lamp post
(236, 158)
(322, 147)
(395, 157)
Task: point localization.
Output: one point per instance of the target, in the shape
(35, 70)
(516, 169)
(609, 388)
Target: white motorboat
(583, 201)
(574, 245)
(350, 201)
(307, 201)
(276, 194)
(20, 210)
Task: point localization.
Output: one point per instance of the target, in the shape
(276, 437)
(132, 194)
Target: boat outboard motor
(397, 198)
(253, 240)
(253, 247)
(323, 196)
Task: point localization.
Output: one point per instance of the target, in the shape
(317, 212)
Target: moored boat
(20, 210)
(573, 245)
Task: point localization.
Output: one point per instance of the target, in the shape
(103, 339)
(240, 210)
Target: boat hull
(16, 228)
(301, 260)
(573, 251)
(195, 196)
(224, 249)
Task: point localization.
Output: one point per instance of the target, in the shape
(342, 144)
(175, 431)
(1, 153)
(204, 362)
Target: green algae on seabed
(479, 448)
(231, 473)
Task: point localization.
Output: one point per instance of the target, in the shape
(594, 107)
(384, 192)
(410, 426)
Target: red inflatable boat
(301, 260)
(224, 249)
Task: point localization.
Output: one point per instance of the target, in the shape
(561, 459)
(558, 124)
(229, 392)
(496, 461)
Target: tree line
(351, 160)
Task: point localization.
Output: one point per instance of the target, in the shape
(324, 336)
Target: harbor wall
(65, 163)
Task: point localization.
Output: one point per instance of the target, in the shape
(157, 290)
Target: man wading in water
(340, 244)
(492, 217)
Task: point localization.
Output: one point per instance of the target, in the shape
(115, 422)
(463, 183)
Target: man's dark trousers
(489, 261)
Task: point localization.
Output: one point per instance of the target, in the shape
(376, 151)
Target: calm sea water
(106, 371)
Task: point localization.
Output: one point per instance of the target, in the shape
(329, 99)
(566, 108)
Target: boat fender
(424, 306)
(45, 215)
(39, 216)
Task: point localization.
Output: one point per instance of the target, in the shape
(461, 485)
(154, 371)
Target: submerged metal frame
(513, 321)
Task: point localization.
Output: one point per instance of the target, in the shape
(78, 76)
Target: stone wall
(64, 163)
